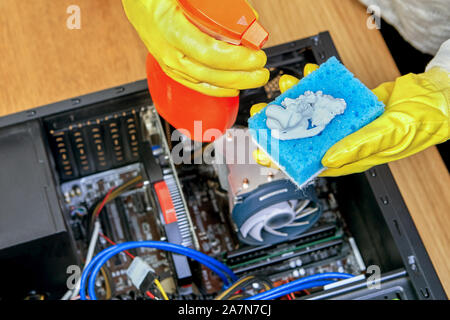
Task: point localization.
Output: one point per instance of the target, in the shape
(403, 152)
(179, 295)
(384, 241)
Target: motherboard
(130, 217)
(204, 223)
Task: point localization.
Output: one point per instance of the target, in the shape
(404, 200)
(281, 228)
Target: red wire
(150, 295)
(104, 201)
(288, 296)
(113, 243)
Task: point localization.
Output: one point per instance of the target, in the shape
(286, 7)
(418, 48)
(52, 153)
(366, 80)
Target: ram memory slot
(248, 253)
(124, 221)
(289, 253)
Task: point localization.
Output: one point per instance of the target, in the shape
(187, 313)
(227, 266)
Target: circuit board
(130, 217)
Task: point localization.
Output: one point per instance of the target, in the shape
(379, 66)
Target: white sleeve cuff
(442, 58)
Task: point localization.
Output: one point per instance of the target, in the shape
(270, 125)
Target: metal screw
(384, 200)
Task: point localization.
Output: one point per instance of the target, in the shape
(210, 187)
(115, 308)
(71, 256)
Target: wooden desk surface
(42, 62)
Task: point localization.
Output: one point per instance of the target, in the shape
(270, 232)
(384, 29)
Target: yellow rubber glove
(416, 117)
(192, 57)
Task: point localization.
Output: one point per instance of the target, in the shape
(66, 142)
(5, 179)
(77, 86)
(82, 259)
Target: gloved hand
(192, 57)
(285, 83)
(416, 117)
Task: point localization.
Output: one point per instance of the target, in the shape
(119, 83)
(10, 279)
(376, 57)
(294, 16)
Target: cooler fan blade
(274, 232)
(278, 216)
(269, 219)
(298, 224)
(256, 231)
(275, 212)
(306, 212)
(302, 206)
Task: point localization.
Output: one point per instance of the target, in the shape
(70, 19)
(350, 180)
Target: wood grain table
(42, 61)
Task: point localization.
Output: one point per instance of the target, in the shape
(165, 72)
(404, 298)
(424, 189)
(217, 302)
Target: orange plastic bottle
(233, 21)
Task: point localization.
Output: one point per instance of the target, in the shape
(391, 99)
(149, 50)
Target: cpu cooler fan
(265, 205)
(276, 212)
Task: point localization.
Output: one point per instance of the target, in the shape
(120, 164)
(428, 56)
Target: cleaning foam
(301, 158)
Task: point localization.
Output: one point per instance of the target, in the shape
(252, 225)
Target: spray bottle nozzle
(233, 21)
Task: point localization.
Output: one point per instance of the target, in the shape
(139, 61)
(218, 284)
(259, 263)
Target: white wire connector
(141, 274)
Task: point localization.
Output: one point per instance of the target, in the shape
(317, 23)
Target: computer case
(37, 245)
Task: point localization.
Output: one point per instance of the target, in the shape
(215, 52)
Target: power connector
(141, 274)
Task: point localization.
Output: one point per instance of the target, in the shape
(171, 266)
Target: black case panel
(35, 247)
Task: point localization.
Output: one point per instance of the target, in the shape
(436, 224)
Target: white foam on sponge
(303, 117)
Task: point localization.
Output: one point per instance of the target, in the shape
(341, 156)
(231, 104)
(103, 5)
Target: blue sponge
(301, 159)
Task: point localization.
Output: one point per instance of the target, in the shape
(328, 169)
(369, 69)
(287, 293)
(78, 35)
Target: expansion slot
(250, 253)
(182, 219)
(281, 256)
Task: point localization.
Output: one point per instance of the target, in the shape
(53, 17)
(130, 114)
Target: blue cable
(104, 256)
(294, 285)
(90, 273)
(308, 285)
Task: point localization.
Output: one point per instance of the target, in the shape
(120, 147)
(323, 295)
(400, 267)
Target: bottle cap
(233, 21)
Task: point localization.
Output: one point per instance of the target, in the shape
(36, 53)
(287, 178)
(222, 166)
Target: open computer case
(57, 160)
